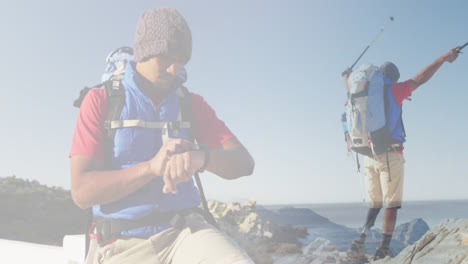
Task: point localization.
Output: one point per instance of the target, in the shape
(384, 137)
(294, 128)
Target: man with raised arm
(380, 190)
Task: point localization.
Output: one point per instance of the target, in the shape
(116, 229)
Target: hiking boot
(361, 260)
(357, 252)
(382, 253)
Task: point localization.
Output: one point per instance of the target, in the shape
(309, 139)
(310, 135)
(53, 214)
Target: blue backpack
(367, 128)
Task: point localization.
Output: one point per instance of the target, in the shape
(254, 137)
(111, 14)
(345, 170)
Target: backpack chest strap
(114, 124)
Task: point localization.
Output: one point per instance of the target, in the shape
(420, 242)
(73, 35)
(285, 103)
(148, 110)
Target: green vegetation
(37, 213)
(238, 219)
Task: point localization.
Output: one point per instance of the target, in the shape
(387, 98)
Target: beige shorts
(199, 242)
(384, 189)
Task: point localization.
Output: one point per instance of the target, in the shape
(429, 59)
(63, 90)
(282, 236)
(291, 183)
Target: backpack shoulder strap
(83, 93)
(115, 94)
(185, 103)
(387, 90)
(89, 222)
(185, 106)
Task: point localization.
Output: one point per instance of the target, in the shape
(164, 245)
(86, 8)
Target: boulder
(445, 243)
(409, 233)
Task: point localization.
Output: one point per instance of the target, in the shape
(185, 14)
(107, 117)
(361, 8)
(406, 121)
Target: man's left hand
(346, 72)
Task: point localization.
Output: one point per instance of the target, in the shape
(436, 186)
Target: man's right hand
(181, 167)
(427, 73)
(172, 146)
(451, 55)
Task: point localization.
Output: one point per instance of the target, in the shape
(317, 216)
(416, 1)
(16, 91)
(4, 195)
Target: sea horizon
(353, 214)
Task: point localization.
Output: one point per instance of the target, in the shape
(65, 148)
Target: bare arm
(230, 161)
(91, 184)
(346, 74)
(427, 73)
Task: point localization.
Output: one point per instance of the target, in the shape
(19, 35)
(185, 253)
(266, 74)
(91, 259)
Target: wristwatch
(206, 149)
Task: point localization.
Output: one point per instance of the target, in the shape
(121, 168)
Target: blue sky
(270, 69)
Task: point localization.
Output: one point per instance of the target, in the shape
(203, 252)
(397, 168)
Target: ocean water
(353, 214)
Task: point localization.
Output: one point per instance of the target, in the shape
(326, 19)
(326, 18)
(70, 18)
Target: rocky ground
(261, 238)
(279, 243)
(446, 243)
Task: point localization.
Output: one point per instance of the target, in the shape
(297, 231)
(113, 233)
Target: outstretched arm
(345, 75)
(427, 73)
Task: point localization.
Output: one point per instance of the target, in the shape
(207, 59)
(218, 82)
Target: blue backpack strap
(388, 85)
(402, 124)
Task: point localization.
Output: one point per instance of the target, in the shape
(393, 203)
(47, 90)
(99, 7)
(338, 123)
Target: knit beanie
(390, 71)
(162, 31)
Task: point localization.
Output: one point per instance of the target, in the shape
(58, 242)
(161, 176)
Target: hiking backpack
(366, 112)
(115, 94)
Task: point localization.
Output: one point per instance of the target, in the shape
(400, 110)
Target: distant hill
(293, 216)
(36, 213)
(342, 236)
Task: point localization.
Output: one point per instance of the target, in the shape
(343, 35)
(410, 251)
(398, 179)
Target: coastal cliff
(40, 214)
(269, 238)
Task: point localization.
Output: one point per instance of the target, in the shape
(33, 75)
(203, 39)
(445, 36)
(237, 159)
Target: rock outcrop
(320, 227)
(404, 235)
(260, 238)
(273, 236)
(411, 232)
(445, 243)
(318, 252)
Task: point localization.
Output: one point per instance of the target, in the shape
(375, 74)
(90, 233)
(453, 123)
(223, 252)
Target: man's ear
(175, 68)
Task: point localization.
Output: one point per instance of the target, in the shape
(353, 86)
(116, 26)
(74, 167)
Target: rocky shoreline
(43, 215)
(297, 235)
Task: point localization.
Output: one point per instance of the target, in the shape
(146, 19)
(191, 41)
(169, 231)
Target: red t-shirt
(401, 91)
(88, 138)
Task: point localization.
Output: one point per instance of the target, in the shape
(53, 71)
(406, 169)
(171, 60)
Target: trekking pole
(459, 50)
(208, 216)
(370, 44)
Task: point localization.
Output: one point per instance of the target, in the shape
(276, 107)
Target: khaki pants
(382, 189)
(198, 242)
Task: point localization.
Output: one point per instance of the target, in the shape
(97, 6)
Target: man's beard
(161, 88)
